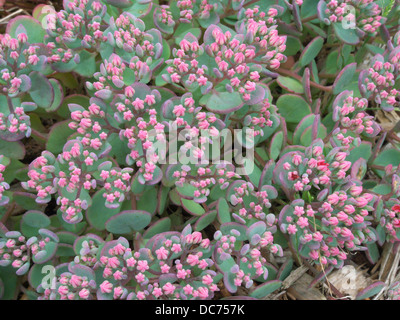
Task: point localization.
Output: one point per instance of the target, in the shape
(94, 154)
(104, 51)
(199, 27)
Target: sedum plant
(196, 149)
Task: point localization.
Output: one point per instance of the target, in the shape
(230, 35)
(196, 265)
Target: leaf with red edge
(371, 290)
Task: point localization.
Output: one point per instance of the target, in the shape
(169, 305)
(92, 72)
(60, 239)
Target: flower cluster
(87, 253)
(3, 184)
(65, 30)
(378, 81)
(340, 224)
(390, 221)
(175, 267)
(255, 15)
(313, 170)
(394, 291)
(18, 251)
(350, 113)
(365, 14)
(233, 56)
(69, 175)
(17, 57)
(72, 286)
(247, 263)
(116, 184)
(14, 250)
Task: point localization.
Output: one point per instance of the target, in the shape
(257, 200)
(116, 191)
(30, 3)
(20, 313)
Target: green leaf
(182, 31)
(98, 214)
(344, 78)
(162, 225)
(306, 137)
(382, 189)
(186, 191)
(147, 201)
(9, 283)
(276, 145)
(348, 36)
(364, 150)
(224, 214)
(58, 95)
(293, 108)
(311, 51)
(226, 228)
(371, 290)
(205, 220)
(128, 221)
(37, 273)
(81, 100)
(224, 102)
(192, 207)
(41, 92)
(12, 171)
(285, 269)
(293, 45)
(301, 127)
(290, 84)
(33, 28)
(257, 228)
(266, 288)
(87, 64)
(373, 254)
(13, 149)
(120, 3)
(386, 157)
(58, 136)
(32, 221)
(49, 249)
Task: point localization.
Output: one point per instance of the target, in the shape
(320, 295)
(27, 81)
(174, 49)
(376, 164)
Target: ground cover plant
(199, 149)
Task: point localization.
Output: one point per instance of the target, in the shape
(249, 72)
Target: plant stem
(310, 18)
(39, 135)
(296, 76)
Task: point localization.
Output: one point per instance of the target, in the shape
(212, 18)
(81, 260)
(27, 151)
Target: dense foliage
(174, 149)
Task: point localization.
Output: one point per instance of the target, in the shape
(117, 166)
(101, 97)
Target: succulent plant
(195, 149)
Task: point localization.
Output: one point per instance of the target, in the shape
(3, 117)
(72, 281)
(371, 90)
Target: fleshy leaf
(128, 221)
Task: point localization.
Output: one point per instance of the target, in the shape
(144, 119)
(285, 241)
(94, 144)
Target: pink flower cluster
(261, 118)
(367, 19)
(17, 56)
(249, 263)
(14, 250)
(343, 225)
(15, 124)
(65, 27)
(73, 176)
(255, 15)
(177, 259)
(391, 222)
(130, 35)
(186, 9)
(71, 287)
(41, 177)
(393, 292)
(233, 56)
(165, 16)
(254, 209)
(379, 80)
(87, 256)
(352, 116)
(116, 184)
(184, 68)
(3, 185)
(306, 173)
(204, 178)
